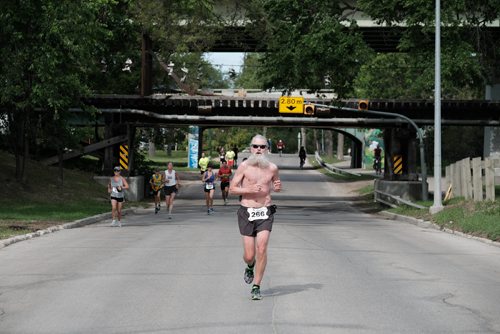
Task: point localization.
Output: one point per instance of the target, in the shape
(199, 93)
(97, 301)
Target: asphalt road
(331, 269)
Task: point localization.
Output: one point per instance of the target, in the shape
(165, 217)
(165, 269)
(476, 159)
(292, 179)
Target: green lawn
(43, 201)
(475, 218)
(160, 160)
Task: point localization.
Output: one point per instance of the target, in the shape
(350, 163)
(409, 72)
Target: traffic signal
(309, 109)
(363, 104)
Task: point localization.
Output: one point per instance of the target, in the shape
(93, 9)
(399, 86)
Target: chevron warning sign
(124, 156)
(397, 164)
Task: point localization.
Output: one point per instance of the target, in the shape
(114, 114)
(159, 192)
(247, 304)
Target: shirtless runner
(254, 180)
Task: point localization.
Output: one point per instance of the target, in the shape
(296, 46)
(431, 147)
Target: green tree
(469, 61)
(118, 55)
(249, 76)
(50, 46)
(181, 31)
(305, 42)
(469, 50)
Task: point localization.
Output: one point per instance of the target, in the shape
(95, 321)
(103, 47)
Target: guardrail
(331, 168)
(398, 199)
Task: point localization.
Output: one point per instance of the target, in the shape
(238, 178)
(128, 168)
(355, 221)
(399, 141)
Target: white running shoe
(113, 223)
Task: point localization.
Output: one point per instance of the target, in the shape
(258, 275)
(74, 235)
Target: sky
(226, 60)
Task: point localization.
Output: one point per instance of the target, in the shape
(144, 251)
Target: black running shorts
(251, 228)
(118, 199)
(168, 190)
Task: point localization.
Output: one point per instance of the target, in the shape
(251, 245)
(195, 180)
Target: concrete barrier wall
(407, 190)
(135, 183)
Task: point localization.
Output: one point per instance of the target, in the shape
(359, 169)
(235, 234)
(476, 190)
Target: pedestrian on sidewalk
(117, 184)
(254, 180)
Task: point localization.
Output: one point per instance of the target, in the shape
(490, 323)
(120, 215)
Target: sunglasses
(259, 146)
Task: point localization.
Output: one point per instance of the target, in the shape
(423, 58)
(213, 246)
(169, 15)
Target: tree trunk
(151, 148)
(340, 146)
(169, 149)
(316, 142)
(329, 144)
(60, 165)
(303, 137)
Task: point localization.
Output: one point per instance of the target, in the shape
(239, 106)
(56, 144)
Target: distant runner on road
(208, 180)
(280, 145)
(156, 183)
(172, 184)
(117, 184)
(203, 163)
(224, 175)
(254, 180)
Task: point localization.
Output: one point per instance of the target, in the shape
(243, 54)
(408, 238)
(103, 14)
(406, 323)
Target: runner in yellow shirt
(156, 181)
(203, 163)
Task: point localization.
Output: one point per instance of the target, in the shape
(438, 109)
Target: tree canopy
(308, 43)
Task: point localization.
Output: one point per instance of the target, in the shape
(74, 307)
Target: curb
(55, 228)
(426, 224)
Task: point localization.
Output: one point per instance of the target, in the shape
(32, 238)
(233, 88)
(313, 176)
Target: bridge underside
(231, 111)
(123, 114)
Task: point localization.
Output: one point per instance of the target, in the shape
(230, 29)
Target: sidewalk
(346, 165)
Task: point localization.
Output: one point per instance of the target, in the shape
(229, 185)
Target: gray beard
(259, 160)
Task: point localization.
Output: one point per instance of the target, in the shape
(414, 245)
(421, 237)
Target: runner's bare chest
(254, 175)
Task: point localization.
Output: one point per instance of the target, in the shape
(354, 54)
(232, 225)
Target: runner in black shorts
(169, 190)
(251, 228)
(254, 180)
(209, 188)
(172, 184)
(224, 175)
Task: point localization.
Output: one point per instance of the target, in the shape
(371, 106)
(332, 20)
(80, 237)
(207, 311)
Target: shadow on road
(282, 290)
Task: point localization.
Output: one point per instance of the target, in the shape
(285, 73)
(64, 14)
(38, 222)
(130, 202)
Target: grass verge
(42, 200)
(479, 219)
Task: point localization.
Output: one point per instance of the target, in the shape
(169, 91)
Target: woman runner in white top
(172, 184)
(117, 184)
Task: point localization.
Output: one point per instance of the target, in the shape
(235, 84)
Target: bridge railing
(472, 179)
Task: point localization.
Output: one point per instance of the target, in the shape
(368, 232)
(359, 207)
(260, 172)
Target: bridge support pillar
(200, 142)
(491, 147)
(356, 154)
(400, 158)
(400, 161)
(111, 153)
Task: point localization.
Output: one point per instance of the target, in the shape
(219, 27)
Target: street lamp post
(437, 206)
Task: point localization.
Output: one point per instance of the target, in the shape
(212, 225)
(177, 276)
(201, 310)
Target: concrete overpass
(122, 114)
(218, 110)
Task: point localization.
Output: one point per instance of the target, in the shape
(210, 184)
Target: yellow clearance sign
(291, 105)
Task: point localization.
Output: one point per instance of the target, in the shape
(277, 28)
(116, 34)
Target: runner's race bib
(257, 213)
(209, 186)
